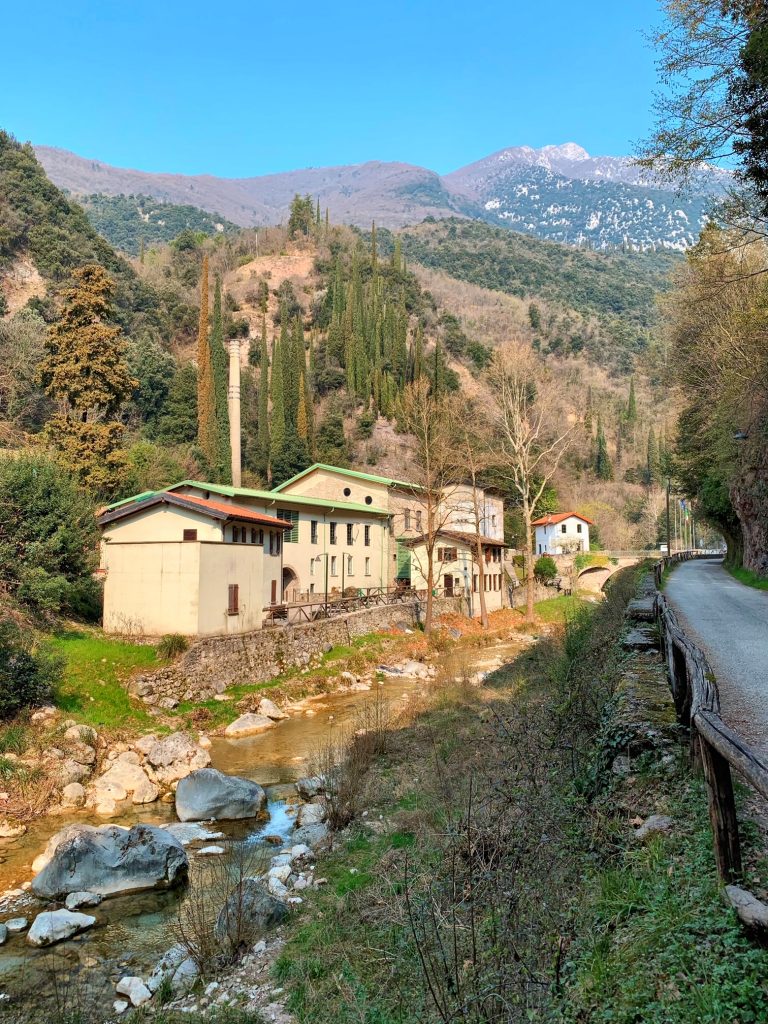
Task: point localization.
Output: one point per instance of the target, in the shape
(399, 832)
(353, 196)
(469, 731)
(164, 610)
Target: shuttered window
(233, 605)
(190, 535)
(292, 517)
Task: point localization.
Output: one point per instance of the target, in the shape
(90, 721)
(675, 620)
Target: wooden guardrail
(713, 743)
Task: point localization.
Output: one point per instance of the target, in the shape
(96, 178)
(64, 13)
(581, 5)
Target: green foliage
(603, 468)
(14, 739)
(171, 646)
(152, 368)
(331, 441)
(545, 568)
(151, 467)
(220, 362)
(177, 423)
(127, 221)
(302, 216)
(48, 538)
(28, 673)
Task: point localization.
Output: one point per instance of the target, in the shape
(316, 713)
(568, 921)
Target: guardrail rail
(714, 745)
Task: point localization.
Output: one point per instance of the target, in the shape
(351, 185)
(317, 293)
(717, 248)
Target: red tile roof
(557, 517)
(215, 509)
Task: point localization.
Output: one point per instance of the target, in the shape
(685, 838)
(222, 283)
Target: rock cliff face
(749, 494)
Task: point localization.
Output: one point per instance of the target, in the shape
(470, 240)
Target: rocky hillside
(557, 192)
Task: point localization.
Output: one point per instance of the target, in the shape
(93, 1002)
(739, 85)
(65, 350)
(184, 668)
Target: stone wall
(215, 663)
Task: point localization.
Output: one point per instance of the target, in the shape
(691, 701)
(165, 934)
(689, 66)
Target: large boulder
(108, 860)
(122, 780)
(208, 793)
(57, 925)
(173, 757)
(269, 709)
(249, 911)
(248, 725)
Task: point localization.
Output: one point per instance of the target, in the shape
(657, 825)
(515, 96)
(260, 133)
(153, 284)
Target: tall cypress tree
(277, 424)
(603, 468)
(263, 429)
(206, 398)
(651, 459)
(302, 424)
(219, 361)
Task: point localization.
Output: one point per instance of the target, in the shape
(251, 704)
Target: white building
(562, 533)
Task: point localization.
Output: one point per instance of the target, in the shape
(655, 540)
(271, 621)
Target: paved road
(730, 623)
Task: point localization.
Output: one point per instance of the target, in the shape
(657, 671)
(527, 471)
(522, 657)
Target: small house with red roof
(182, 563)
(561, 533)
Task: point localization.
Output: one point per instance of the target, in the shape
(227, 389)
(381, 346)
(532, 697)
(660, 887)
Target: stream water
(133, 931)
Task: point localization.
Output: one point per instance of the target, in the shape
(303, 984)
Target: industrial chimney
(233, 403)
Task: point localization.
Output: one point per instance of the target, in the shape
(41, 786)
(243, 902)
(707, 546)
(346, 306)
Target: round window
(368, 499)
(347, 492)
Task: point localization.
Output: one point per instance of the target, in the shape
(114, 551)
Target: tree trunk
(530, 582)
(481, 585)
(430, 588)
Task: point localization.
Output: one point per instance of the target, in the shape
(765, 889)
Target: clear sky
(245, 87)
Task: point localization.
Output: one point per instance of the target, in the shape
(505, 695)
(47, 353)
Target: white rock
(211, 989)
(174, 757)
(301, 883)
(209, 851)
(260, 947)
(277, 888)
(122, 779)
(282, 872)
(135, 989)
(248, 725)
(166, 966)
(81, 734)
(655, 824)
(55, 925)
(73, 795)
(189, 832)
(269, 709)
(16, 925)
(82, 899)
(120, 1005)
(11, 830)
(185, 975)
(3, 934)
(279, 859)
(310, 814)
(300, 850)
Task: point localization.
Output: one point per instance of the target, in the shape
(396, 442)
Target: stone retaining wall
(215, 663)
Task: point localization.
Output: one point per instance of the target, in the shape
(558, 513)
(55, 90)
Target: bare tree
(473, 454)
(531, 436)
(431, 420)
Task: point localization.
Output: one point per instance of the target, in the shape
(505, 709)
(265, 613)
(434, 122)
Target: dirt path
(729, 621)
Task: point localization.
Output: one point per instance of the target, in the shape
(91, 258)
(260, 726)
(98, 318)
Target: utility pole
(669, 534)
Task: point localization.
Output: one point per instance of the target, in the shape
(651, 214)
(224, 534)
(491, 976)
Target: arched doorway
(290, 585)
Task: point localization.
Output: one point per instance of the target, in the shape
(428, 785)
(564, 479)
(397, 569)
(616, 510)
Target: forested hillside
(131, 223)
(333, 325)
(602, 303)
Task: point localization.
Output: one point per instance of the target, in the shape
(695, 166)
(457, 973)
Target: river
(133, 931)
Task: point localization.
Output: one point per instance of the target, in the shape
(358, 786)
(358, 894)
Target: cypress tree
(206, 399)
(219, 361)
(373, 248)
(588, 412)
(603, 468)
(317, 214)
(652, 459)
(418, 354)
(631, 414)
(263, 430)
(302, 424)
(277, 425)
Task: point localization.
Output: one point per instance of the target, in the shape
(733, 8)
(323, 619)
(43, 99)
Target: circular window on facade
(347, 492)
(368, 499)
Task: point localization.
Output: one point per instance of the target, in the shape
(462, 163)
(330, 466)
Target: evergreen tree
(302, 424)
(85, 372)
(603, 468)
(588, 412)
(263, 428)
(206, 397)
(652, 459)
(373, 248)
(277, 430)
(177, 423)
(223, 465)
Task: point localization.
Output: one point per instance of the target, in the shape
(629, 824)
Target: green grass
(748, 578)
(558, 609)
(97, 668)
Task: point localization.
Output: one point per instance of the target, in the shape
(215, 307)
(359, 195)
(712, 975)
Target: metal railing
(713, 743)
(318, 606)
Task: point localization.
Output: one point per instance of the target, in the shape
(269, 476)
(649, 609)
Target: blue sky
(246, 87)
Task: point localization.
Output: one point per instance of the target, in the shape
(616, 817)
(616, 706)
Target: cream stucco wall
(463, 571)
(151, 588)
(225, 564)
(552, 540)
(163, 522)
(321, 483)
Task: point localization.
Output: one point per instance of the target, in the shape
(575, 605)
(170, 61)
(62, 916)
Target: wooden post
(722, 812)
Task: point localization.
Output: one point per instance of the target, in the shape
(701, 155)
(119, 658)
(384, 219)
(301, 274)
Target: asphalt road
(730, 623)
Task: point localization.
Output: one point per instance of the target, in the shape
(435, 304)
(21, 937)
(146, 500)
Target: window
(290, 516)
(347, 492)
(313, 531)
(367, 567)
(578, 527)
(274, 543)
(311, 588)
(333, 532)
(261, 538)
(563, 528)
(418, 519)
(350, 534)
(254, 535)
(333, 566)
(493, 520)
(474, 584)
(311, 567)
(368, 499)
(190, 535)
(447, 555)
(367, 535)
(233, 604)
(350, 566)
(407, 519)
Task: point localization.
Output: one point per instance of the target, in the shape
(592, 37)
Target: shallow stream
(133, 931)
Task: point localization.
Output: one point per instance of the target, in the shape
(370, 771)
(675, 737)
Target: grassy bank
(496, 876)
(748, 578)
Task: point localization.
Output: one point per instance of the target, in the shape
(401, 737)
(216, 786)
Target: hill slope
(557, 192)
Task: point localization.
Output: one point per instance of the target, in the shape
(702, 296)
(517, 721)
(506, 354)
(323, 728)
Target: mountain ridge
(557, 192)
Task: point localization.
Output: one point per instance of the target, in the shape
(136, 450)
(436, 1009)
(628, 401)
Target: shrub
(27, 674)
(13, 740)
(545, 568)
(171, 646)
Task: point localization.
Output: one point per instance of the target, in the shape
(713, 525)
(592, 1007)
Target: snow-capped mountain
(556, 192)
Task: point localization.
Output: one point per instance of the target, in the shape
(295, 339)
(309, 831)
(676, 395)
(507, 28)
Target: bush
(545, 568)
(27, 674)
(171, 646)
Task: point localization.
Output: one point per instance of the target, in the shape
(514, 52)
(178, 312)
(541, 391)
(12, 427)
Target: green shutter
(291, 517)
(403, 562)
